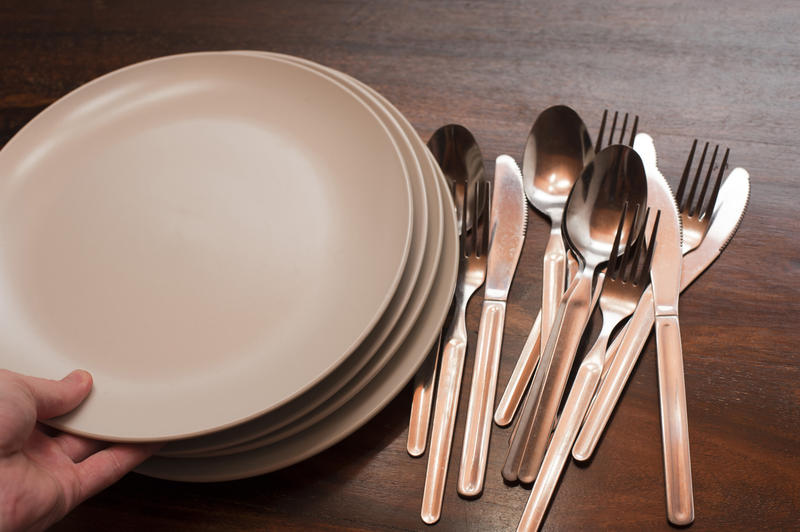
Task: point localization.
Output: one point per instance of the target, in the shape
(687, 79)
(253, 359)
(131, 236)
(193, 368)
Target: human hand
(45, 475)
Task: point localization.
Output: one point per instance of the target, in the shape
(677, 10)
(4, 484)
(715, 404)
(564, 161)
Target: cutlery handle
(553, 276)
(558, 451)
(521, 375)
(444, 421)
(563, 343)
(481, 400)
(629, 344)
(521, 432)
(674, 423)
(421, 403)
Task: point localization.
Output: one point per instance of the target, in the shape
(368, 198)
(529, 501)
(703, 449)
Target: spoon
(557, 150)
(615, 178)
(461, 161)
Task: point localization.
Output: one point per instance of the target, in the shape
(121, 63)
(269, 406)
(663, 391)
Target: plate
(386, 336)
(185, 228)
(359, 409)
(355, 413)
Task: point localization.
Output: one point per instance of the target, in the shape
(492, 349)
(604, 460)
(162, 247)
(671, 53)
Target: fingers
(53, 398)
(78, 448)
(105, 467)
(25, 399)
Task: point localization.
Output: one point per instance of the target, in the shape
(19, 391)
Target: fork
(474, 243)
(625, 349)
(528, 358)
(625, 279)
(696, 216)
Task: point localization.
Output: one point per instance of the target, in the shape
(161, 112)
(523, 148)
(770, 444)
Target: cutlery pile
(621, 249)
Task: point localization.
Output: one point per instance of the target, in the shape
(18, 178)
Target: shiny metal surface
(460, 159)
(473, 192)
(553, 259)
(614, 178)
(508, 223)
(623, 284)
(557, 149)
(727, 214)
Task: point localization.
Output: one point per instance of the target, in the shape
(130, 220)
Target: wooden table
(727, 73)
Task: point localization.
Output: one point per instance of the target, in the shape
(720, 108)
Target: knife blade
(624, 351)
(508, 220)
(665, 276)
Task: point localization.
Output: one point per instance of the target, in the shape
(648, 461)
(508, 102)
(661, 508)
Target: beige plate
(358, 410)
(186, 229)
(346, 380)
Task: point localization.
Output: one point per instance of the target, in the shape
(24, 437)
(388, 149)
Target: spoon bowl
(593, 210)
(557, 149)
(461, 161)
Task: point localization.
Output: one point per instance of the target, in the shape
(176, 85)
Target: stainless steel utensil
(461, 161)
(568, 129)
(625, 280)
(474, 241)
(666, 277)
(557, 149)
(616, 176)
(508, 221)
(724, 220)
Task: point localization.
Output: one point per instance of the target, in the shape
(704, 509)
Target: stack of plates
(251, 253)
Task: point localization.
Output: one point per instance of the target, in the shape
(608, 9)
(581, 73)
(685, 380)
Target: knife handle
(674, 423)
(629, 344)
(421, 402)
(553, 276)
(521, 376)
(481, 399)
(444, 420)
(569, 422)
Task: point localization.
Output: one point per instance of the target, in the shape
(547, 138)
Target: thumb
(54, 398)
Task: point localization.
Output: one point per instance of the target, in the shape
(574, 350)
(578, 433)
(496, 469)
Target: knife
(508, 220)
(665, 278)
(624, 351)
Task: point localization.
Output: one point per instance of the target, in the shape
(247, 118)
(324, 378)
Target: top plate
(208, 234)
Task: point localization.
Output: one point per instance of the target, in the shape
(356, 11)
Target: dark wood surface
(726, 72)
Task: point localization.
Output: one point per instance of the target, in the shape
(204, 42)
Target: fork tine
(645, 273)
(599, 144)
(613, 260)
(713, 199)
(634, 129)
(685, 177)
(631, 242)
(690, 197)
(622, 131)
(462, 235)
(613, 129)
(699, 205)
(637, 252)
(483, 245)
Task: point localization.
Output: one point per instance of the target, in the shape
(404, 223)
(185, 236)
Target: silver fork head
(612, 131)
(696, 211)
(628, 272)
(474, 239)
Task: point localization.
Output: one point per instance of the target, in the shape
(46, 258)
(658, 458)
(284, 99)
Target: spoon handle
(422, 401)
(561, 349)
(526, 363)
(481, 399)
(553, 275)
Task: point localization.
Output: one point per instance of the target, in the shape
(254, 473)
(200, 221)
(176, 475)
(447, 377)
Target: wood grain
(726, 73)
